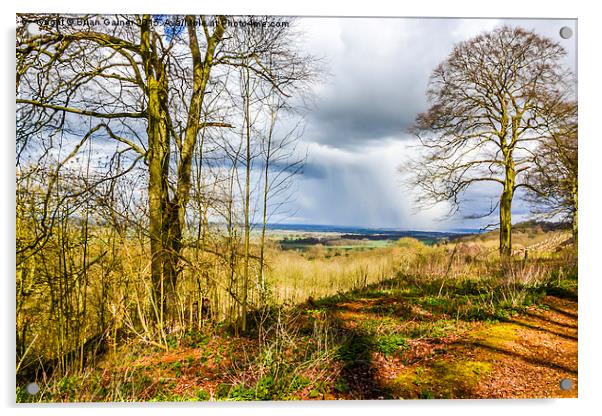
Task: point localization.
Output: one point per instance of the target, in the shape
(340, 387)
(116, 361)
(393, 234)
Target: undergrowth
(306, 351)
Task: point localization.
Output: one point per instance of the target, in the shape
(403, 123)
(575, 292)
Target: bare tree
(552, 183)
(489, 99)
(280, 165)
(283, 73)
(143, 87)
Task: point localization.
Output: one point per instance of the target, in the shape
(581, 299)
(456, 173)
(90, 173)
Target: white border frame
(589, 66)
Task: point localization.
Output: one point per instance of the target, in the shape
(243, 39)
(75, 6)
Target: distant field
(305, 238)
(303, 244)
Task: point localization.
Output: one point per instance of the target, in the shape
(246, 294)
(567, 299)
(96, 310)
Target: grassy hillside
(524, 234)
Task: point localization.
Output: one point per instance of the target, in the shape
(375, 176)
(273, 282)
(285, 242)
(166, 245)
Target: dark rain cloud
(379, 71)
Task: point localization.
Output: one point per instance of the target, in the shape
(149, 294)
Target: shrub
(390, 344)
(410, 243)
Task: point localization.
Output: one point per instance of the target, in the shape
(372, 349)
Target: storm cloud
(379, 70)
(356, 130)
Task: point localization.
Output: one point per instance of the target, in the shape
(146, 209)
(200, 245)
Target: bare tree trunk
(266, 188)
(167, 217)
(575, 213)
(247, 225)
(158, 161)
(266, 191)
(506, 212)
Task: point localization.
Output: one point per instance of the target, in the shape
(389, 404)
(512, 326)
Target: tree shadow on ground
(454, 374)
(562, 311)
(550, 320)
(541, 328)
(540, 362)
(563, 293)
(359, 372)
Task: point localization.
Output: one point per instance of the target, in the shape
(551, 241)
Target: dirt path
(526, 356)
(540, 351)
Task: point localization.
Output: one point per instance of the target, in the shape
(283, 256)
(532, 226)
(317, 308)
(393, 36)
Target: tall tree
(489, 101)
(113, 62)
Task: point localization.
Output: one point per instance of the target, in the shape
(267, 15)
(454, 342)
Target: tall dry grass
(295, 277)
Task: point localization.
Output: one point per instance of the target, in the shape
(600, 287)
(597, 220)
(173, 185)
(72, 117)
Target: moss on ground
(442, 379)
(496, 336)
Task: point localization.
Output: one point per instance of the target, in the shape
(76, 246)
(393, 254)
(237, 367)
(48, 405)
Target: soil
(526, 356)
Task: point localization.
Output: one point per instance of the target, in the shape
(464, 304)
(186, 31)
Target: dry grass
(295, 277)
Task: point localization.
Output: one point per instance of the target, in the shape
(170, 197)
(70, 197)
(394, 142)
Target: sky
(377, 70)
(374, 75)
